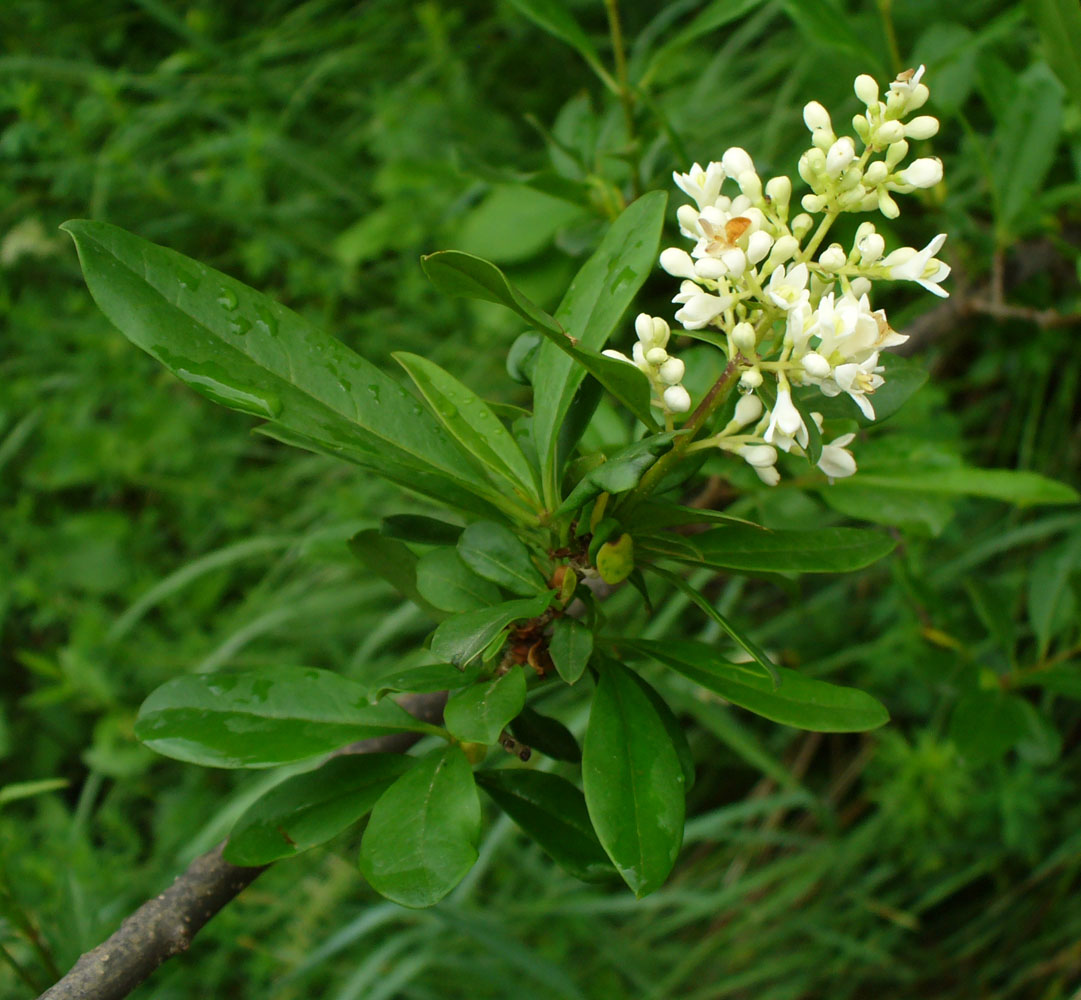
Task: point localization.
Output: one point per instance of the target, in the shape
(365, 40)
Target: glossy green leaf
(671, 724)
(1014, 486)
(1049, 589)
(633, 782)
(481, 712)
(424, 679)
(1059, 22)
(984, 725)
(595, 302)
(553, 812)
(458, 273)
(420, 529)
(394, 562)
(245, 351)
(263, 718)
(309, 809)
(798, 701)
(461, 639)
(422, 837)
(448, 583)
(471, 421)
(498, 554)
(570, 648)
(546, 735)
(824, 550)
(619, 473)
(744, 641)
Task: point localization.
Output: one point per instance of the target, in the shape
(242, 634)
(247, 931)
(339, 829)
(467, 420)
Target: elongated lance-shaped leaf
(596, 300)
(472, 422)
(245, 351)
(458, 273)
(479, 713)
(795, 700)
(745, 642)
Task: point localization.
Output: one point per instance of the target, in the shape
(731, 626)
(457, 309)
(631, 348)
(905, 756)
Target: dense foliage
(314, 151)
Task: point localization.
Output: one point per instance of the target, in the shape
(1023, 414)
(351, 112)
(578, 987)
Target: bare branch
(165, 925)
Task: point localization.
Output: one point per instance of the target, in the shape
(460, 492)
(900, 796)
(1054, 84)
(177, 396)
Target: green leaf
(247, 352)
(619, 473)
(713, 16)
(672, 727)
(615, 559)
(422, 837)
(309, 809)
(984, 725)
(596, 300)
(1059, 22)
(394, 562)
(745, 642)
(1013, 486)
(633, 782)
(553, 812)
(263, 718)
(481, 712)
(570, 648)
(797, 701)
(1048, 589)
(471, 421)
(1065, 681)
(754, 550)
(514, 222)
(447, 583)
(1027, 140)
(499, 555)
(461, 639)
(420, 529)
(423, 679)
(553, 17)
(546, 735)
(458, 273)
(824, 23)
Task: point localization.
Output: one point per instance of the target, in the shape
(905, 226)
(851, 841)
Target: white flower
(866, 88)
(758, 455)
(677, 399)
(815, 365)
(797, 327)
(702, 185)
(922, 267)
(839, 156)
(769, 475)
(816, 117)
(671, 371)
(858, 380)
(759, 245)
(617, 355)
(748, 410)
(699, 309)
(786, 426)
(788, 287)
(709, 268)
(836, 460)
(833, 258)
(924, 127)
(736, 161)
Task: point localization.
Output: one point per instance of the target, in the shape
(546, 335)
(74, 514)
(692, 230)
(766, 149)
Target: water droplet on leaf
(236, 397)
(227, 298)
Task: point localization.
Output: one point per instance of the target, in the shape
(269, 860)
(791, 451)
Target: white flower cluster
(665, 373)
(757, 284)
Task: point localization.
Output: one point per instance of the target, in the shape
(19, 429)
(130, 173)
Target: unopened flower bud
(815, 365)
(871, 248)
(750, 380)
(735, 260)
(888, 132)
(840, 155)
(672, 371)
(862, 127)
(661, 331)
(860, 286)
(816, 117)
(736, 161)
(769, 475)
(779, 192)
(677, 399)
(687, 216)
(748, 410)
(813, 203)
(677, 263)
(758, 245)
(743, 338)
(802, 225)
(833, 258)
(750, 184)
(922, 173)
(758, 455)
(710, 268)
(886, 205)
(643, 326)
(657, 356)
(784, 249)
(922, 127)
(866, 88)
(918, 98)
(875, 174)
(896, 152)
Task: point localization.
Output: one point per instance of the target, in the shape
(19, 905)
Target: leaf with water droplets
(472, 422)
(244, 350)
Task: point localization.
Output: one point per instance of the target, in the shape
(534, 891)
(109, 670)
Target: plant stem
(626, 97)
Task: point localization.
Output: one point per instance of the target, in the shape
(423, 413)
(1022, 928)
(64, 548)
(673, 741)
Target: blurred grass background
(314, 150)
